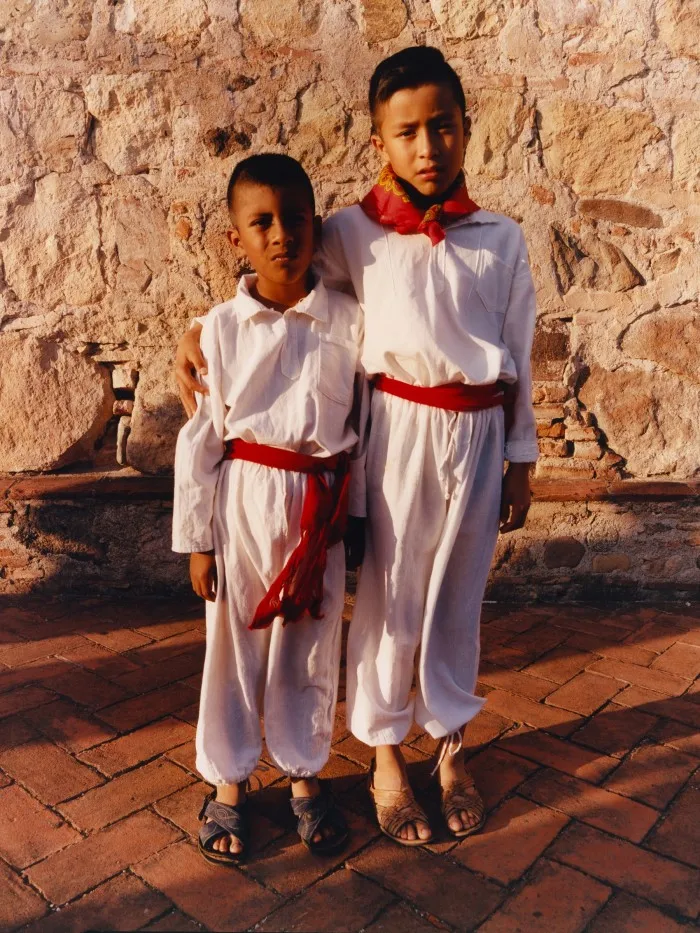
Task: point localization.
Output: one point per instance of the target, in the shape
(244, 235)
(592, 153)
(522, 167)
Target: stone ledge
(131, 485)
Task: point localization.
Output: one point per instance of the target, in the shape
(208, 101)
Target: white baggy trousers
(288, 674)
(433, 500)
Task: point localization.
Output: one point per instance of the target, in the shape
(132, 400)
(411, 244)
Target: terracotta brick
(288, 866)
(184, 755)
(164, 672)
(669, 684)
(676, 735)
(521, 651)
(588, 626)
(69, 726)
(100, 660)
(498, 773)
(125, 794)
(584, 694)
(130, 714)
(189, 713)
(86, 688)
(625, 914)
(159, 651)
(590, 804)
(559, 754)
(21, 653)
(634, 654)
(18, 903)
(17, 701)
(615, 729)
(36, 672)
(679, 834)
(182, 808)
(15, 731)
(519, 682)
(653, 774)
(169, 627)
(435, 886)
(343, 903)
(682, 709)
(680, 659)
(116, 639)
(28, 830)
(48, 771)
(520, 620)
(139, 746)
(66, 874)
(173, 922)
(124, 903)
(515, 836)
(181, 874)
(562, 663)
(555, 898)
(630, 867)
(520, 709)
(400, 919)
(658, 636)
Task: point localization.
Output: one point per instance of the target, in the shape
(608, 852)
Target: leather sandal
(222, 819)
(316, 813)
(463, 795)
(395, 809)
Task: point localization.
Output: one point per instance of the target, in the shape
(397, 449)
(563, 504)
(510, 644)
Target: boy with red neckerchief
(449, 318)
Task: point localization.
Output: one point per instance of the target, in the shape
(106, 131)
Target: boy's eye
(407, 133)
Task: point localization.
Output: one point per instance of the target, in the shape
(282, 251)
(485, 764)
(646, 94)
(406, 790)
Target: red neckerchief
(390, 206)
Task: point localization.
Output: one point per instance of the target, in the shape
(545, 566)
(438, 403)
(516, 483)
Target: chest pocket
(336, 369)
(492, 283)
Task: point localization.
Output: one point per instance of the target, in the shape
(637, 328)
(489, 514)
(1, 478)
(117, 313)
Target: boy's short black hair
(272, 170)
(411, 68)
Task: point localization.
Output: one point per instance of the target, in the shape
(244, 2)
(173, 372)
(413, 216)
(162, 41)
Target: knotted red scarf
(390, 206)
(299, 586)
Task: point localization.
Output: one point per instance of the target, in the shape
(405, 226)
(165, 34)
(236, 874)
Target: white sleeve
(330, 261)
(200, 447)
(518, 332)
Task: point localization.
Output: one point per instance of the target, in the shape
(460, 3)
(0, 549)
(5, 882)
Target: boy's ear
(234, 238)
(317, 231)
(467, 131)
(378, 144)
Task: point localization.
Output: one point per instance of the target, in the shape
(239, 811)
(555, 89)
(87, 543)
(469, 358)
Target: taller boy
(449, 318)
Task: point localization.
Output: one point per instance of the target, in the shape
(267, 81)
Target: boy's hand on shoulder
(203, 575)
(354, 542)
(188, 362)
(515, 497)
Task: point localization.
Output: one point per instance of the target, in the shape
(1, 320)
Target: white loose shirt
(291, 380)
(460, 311)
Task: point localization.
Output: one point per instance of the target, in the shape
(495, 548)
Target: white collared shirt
(291, 380)
(460, 311)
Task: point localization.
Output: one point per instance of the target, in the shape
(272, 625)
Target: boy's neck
(424, 202)
(281, 297)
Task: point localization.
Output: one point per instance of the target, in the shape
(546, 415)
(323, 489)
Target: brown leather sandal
(396, 808)
(463, 795)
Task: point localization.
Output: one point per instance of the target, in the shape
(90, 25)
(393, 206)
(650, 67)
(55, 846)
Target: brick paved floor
(587, 754)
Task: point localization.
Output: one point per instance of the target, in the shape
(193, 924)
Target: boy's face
(422, 133)
(277, 231)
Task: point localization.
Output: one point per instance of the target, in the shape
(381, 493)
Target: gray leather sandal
(223, 819)
(315, 813)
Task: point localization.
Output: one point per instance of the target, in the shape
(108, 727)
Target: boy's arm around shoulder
(198, 454)
(330, 260)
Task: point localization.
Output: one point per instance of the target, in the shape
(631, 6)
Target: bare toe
(235, 845)
(424, 831)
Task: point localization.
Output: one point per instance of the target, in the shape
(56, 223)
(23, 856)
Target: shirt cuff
(521, 451)
(184, 545)
(357, 505)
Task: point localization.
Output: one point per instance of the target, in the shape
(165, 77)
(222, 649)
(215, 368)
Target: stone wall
(120, 121)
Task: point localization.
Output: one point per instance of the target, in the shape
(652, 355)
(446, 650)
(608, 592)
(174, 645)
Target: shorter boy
(263, 479)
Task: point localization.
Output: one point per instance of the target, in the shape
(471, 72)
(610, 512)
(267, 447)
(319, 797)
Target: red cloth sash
(455, 396)
(389, 204)
(299, 586)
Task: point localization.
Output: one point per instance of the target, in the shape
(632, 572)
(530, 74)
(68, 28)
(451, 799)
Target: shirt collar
(315, 304)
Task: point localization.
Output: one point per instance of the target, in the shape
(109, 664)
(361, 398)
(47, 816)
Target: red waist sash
(299, 586)
(455, 396)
